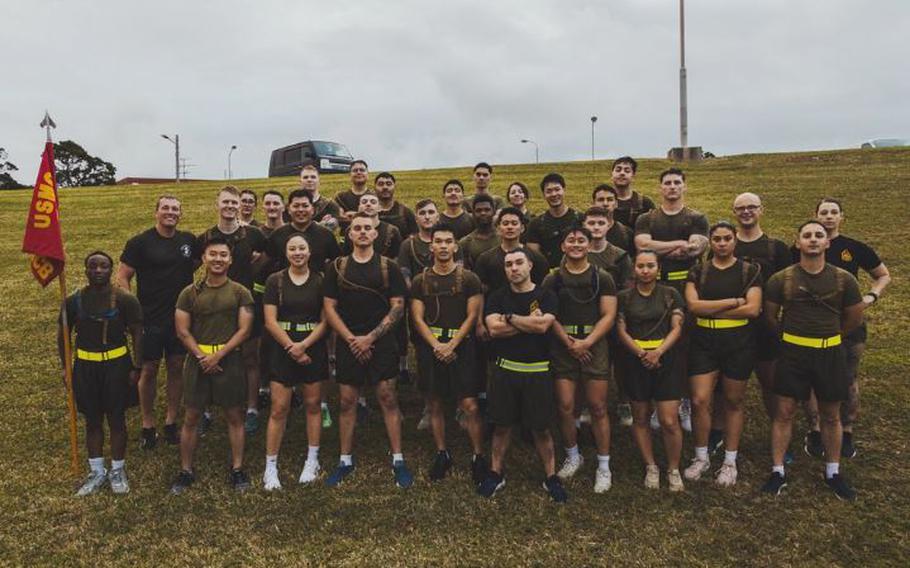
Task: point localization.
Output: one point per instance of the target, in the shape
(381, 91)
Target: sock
(572, 452)
(117, 464)
(603, 462)
(397, 458)
(346, 459)
(252, 410)
(324, 405)
(831, 469)
(271, 462)
(312, 453)
(730, 457)
(362, 401)
(778, 469)
(701, 453)
(207, 414)
(96, 465)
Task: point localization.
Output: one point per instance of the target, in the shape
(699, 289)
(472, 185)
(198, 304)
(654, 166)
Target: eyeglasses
(744, 208)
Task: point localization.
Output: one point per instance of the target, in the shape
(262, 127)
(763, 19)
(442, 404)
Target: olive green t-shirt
(214, 311)
(677, 227)
(473, 245)
(490, 267)
(616, 262)
(463, 224)
(88, 309)
(579, 294)
(387, 243)
(443, 305)
(621, 236)
(815, 306)
(415, 255)
(546, 231)
(641, 314)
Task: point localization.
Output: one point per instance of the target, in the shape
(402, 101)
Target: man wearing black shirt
(490, 266)
(545, 231)
(323, 246)
(521, 390)
(454, 213)
(248, 201)
(631, 203)
(161, 258)
(325, 211)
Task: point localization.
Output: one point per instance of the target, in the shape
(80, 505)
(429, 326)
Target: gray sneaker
(93, 483)
(119, 483)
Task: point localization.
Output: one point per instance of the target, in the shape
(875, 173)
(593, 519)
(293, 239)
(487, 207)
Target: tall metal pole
(176, 158)
(683, 104)
(231, 151)
(593, 120)
(536, 149)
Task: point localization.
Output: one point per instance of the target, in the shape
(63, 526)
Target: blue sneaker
(788, 457)
(337, 476)
(553, 486)
(403, 477)
(489, 486)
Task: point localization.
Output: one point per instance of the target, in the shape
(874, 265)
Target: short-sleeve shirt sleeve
(270, 296)
(185, 299)
(330, 282)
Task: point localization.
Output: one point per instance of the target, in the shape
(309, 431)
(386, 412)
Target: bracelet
(873, 294)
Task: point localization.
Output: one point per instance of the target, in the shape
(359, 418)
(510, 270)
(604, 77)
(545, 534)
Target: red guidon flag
(43, 241)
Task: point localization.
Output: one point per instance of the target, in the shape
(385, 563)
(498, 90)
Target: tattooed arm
(396, 310)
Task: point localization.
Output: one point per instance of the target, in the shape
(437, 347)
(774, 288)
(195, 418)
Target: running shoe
(775, 484)
(847, 449)
(363, 411)
(788, 457)
(726, 475)
(685, 415)
(403, 476)
(624, 410)
(424, 423)
(441, 464)
(171, 434)
(326, 416)
(270, 481)
(240, 480)
(264, 397)
(491, 485)
(251, 423)
(462, 419)
(652, 477)
(655, 422)
(480, 469)
(310, 471)
(813, 444)
(340, 473)
(570, 467)
(148, 439)
(119, 482)
(603, 480)
(205, 424)
(715, 441)
(696, 469)
(183, 482)
(842, 490)
(553, 486)
(675, 481)
(585, 416)
(93, 483)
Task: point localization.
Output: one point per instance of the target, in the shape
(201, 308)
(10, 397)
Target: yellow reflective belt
(813, 342)
(648, 343)
(288, 326)
(519, 367)
(115, 353)
(258, 288)
(711, 323)
(578, 329)
(210, 349)
(677, 275)
(443, 332)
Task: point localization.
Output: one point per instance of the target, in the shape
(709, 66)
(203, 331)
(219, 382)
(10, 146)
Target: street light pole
(683, 103)
(231, 151)
(536, 149)
(593, 120)
(176, 142)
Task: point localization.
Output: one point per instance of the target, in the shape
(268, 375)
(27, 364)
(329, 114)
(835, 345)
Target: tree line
(75, 168)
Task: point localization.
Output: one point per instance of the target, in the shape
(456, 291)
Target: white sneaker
(655, 422)
(585, 416)
(119, 483)
(726, 475)
(603, 480)
(675, 480)
(93, 483)
(685, 415)
(652, 477)
(570, 467)
(310, 471)
(270, 481)
(424, 423)
(624, 410)
(696, 469)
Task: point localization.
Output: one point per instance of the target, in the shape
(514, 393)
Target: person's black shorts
(482, 370)
(104, 387)
(285, 370)
(226, 389)
(448, 381)
(801, 370)
(526, 399)
(730, 351)
(643, 385)
(383, 365)
(161, 341)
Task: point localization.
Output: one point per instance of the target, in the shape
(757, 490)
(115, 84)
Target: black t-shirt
(363, 300)
(621, 236)
(164, 266)
(720, 284)
(296, 304)
(546, 231)
(627, 211)
(851, 255)
(87, 310)
(246, 240)
(323, 246)
(523, 347)
(387, 243)
(401, 217)
(771, 254)
(490, 267)
(462, 225)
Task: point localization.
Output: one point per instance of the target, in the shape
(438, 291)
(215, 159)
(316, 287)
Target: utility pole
(176, 142)
(683, 103)
(593, 120)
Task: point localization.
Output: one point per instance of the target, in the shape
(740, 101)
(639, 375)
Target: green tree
(6, 178)
(78, 168)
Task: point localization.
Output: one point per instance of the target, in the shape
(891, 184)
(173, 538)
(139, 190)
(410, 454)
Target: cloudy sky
(425, 83)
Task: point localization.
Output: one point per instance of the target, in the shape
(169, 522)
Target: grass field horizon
(368, 521)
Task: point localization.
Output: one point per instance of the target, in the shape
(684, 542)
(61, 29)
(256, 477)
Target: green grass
(368, 521)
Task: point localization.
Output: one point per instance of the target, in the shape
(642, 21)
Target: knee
(279, 410)
(116, 421)
(830, 418)
(94, 424)
(669, 423)
(469, 406)
(701, 401)
(733, 403)
(347, 402)
(598, 410)
(313, 405)
(387, 399)
(566, 407)
(191, 419)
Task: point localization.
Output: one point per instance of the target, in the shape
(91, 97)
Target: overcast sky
(420, 83)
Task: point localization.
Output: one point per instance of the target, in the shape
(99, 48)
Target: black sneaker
(775, 484)
(813, 445)
(263, 398)
(363, 412)
(171, 434)
(184, 480)
(553, 486)
(841, 487)
(489, 486)
(149, 439)
(715, 441)
(240, 480)
(441, 464)
(479, 469)
(847, 449)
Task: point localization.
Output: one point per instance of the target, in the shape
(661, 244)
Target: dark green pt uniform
(679, 226)
(299, 312)
(772, 255)
(546, 231)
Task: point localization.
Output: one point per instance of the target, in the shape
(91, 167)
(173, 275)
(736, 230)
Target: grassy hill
(369, 521)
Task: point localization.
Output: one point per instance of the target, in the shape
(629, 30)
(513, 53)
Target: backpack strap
(789, 283)
(384, 271)
(281, 287)
(703, 274)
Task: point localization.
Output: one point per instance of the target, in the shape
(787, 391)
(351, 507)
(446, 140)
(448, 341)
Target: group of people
(519, 319)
